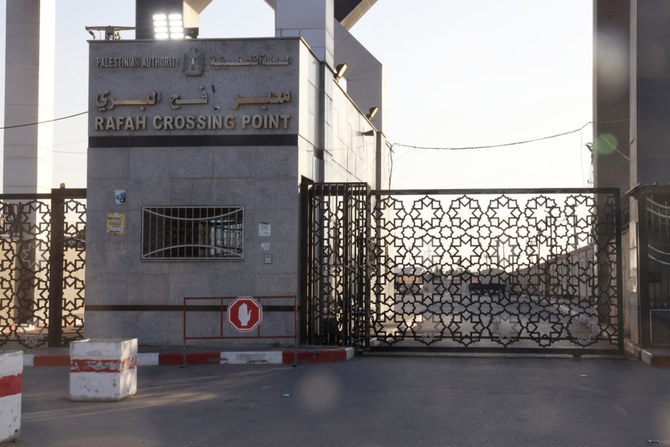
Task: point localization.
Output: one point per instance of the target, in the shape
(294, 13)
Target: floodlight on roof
(168, 26)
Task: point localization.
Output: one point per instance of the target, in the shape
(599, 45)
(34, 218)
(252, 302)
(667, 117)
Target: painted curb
(246, 358)
(654, 359)
(211, 358)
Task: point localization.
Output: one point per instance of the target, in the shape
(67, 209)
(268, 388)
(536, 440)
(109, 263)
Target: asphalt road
(368, 401)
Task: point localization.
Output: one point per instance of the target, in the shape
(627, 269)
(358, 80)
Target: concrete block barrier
(11, 371)
(103, 369)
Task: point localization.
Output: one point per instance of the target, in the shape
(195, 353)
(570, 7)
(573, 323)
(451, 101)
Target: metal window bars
(188, 232)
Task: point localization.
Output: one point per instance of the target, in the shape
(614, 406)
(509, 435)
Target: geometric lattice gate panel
(334, 271)
(515, 270)
(482, 270)
(42, 258)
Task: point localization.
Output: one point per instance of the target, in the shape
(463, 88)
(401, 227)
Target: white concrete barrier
(103, 369)
(11, 371)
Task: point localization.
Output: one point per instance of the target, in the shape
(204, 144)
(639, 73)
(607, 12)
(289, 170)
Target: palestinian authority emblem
(194, 62)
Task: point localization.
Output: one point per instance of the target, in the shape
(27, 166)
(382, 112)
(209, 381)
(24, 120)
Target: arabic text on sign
(106, 102)
(222, 62)
(278, 98)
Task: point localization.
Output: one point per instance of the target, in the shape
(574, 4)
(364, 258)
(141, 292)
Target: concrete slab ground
(368, 401)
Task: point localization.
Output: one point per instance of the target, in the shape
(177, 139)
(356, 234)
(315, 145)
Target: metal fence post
(56, 254)
(619, 270)
(643, 265)
(304, 258)
(346, 268)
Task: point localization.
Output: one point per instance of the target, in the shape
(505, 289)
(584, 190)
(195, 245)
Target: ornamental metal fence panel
(43, 256)
(479, 270)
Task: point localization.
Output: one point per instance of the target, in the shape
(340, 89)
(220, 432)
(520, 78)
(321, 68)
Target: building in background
(196, 151)
(631, 112)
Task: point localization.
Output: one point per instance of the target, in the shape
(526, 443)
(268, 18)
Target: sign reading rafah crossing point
(245, 314)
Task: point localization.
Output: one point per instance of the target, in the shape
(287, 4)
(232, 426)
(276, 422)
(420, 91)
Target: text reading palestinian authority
(138, 62)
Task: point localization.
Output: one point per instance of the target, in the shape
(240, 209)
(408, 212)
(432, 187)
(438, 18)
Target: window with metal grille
(188, 232)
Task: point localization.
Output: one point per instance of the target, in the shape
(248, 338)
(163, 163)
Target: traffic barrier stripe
(103, 366)
(10, 385)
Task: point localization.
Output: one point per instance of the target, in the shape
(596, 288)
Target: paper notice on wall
(264, 229)
(116, 223)
(120, 196)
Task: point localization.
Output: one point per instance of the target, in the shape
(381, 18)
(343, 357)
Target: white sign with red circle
(245, 314)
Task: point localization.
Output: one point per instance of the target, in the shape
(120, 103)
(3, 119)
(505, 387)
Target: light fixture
(111, 32)
(168, 26)
(373, 111)
(369, 133)
(340, 69)
(192, 33)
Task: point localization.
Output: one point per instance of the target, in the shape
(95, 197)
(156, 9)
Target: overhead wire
(44, 122)
(492, 146)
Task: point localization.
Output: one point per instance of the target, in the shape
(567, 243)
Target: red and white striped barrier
(11, 371)
(103, 369)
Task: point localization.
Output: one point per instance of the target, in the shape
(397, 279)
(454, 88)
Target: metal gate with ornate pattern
(480, 270)
(42, 254)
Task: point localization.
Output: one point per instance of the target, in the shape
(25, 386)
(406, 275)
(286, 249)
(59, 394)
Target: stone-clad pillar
(312, 20)
(29, 95)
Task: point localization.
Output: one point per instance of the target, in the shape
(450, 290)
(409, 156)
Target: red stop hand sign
(245, 314)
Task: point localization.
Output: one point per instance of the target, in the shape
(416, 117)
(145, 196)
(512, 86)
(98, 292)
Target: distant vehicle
(486, 288)
(409, 280)
(78, 241)
(408, 284)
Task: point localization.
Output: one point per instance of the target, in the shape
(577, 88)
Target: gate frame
(354, 308)
(56, 257)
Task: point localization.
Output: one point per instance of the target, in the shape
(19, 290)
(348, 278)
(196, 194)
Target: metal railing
(213, 321)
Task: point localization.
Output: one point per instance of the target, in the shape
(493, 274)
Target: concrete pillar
(29, 95)
(313, 20)
(650, 84)
(192, 10)
(611, 93)
(365, 81)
